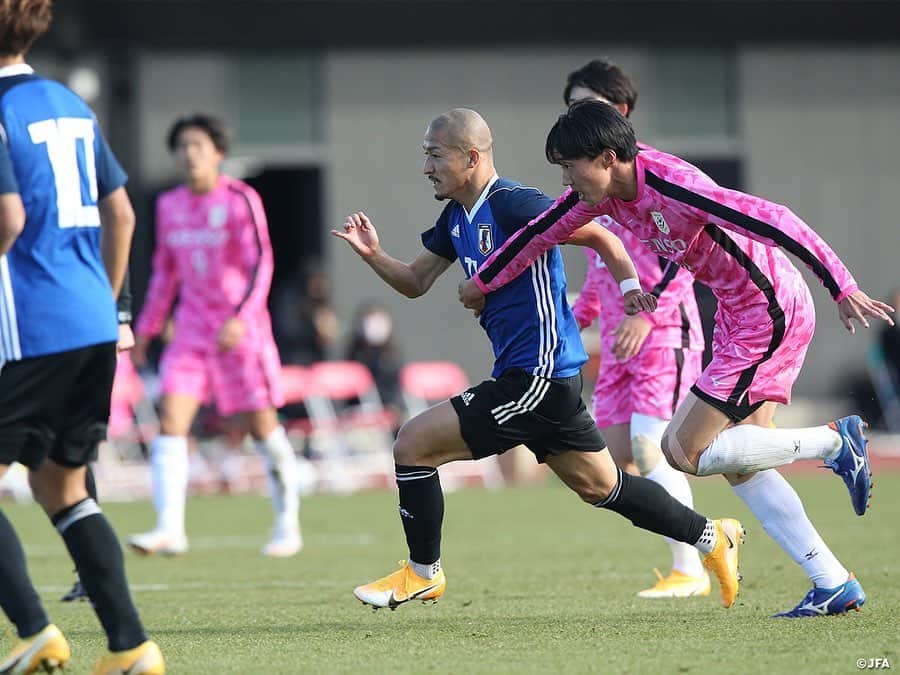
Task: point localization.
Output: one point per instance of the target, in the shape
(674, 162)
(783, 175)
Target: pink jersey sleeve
(554, 226)
(589, 302)
(251, 229)
(773, 225)
(163, 280)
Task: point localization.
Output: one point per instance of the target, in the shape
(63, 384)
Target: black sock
(18, 598)
(647, 505)
(93, 545)
(421, 511)
(89, 483)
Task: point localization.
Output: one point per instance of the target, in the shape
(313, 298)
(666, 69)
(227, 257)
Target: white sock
(428, 571)
(685, 557)
(169, 471)
(747, 448)
(778, 507)
(281, 470)
(707, 541)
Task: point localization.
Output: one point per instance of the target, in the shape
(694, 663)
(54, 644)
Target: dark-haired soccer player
(648, 362)
(65, 230)
(730, 241)
(213, 250)
(535, 398)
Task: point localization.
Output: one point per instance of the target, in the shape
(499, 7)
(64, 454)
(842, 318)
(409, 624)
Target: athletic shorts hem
(736, 413)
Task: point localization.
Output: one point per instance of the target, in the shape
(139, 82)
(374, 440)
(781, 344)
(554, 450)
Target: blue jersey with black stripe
(529, 320)
(55, 295)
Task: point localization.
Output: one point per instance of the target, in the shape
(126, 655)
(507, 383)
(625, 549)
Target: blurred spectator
(889, 340)
(305, 323)
(373, 343)
(884, 370)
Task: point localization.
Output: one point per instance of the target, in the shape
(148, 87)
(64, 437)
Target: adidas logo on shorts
(467, 397)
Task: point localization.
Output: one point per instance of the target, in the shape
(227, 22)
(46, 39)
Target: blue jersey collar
(484, 195)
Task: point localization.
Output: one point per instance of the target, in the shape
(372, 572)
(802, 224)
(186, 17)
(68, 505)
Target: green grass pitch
(537, 583)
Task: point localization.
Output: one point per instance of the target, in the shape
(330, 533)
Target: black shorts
(56, 406)
(736, 412)
(546, 415)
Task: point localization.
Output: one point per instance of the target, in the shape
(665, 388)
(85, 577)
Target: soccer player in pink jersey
(730, 241)
(213, 250)
(648, 362)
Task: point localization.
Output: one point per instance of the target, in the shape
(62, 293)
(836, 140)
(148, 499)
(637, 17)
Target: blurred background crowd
(328, 114)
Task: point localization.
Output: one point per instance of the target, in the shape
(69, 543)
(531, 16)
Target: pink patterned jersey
(675, 323)
(213, 250)
(727, 239)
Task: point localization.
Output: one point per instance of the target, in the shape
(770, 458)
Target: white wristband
(628, 285)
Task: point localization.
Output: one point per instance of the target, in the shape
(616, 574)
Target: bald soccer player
(534, 396)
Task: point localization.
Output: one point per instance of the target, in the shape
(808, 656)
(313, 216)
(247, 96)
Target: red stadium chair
(425, 383)
(132, 416)
(295, 385)
(351, 432)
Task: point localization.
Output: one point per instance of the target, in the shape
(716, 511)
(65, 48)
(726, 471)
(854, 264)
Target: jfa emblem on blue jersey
(485, 238)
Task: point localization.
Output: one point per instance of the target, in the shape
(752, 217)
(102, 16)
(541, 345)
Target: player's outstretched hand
(471, 296)
(637, 302)
(126, 338)
(857, 306)
(359, 232)
(630, 335)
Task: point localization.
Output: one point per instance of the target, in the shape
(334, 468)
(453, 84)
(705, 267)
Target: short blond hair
(21, 23)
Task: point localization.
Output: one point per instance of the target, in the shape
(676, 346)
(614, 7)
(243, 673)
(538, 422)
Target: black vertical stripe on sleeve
(670, 273)
(258, 245)
(489, 272)
(773, 309)
(679, 369)
(749, 223)
(685, 327)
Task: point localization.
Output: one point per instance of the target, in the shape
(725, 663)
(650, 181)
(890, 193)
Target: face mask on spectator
(376, 328)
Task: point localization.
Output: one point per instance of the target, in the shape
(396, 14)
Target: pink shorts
(242, 379)
(651, 383)
(756, 358)
(127, 391)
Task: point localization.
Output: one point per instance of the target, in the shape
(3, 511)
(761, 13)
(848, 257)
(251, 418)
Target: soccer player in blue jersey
(535, 398)
(65, 231)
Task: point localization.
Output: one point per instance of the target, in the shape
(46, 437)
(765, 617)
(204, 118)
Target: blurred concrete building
(796, 101)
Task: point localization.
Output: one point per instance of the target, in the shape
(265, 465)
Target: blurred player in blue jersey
(65, 231)
(535, 398)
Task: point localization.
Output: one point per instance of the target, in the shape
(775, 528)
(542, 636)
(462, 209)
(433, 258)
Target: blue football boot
(852, 462)
(828, 601)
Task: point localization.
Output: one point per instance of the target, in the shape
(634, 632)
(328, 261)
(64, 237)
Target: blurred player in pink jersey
(730, 241)
(213, 250)
(648, 362)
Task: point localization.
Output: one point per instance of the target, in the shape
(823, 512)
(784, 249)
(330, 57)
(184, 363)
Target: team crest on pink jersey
(485, 238)
(218, 214)
(660, 222)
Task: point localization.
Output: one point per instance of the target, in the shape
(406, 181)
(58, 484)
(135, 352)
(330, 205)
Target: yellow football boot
(723, 559)
(47, 651)
(145, 659)
(677, 585)
(401, 586)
